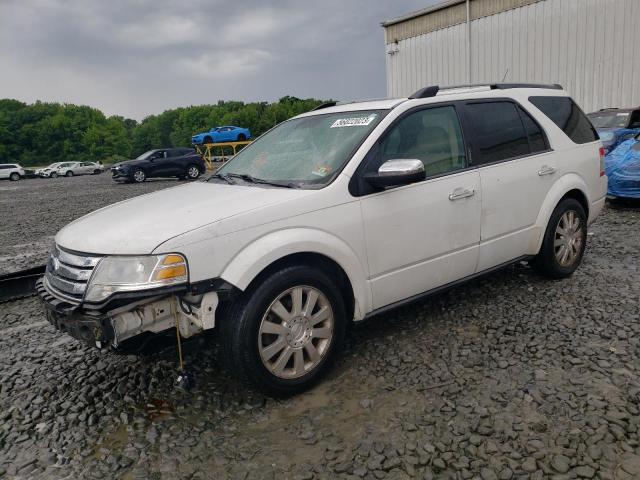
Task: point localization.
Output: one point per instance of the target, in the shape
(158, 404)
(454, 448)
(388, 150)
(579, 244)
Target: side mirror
(397, 172)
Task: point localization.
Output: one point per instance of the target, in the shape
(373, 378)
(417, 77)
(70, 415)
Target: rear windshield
(567, 115)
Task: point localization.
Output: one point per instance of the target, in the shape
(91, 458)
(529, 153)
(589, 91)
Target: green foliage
(43, 133)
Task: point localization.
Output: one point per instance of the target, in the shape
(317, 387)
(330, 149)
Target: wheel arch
(568, 186)
(301, 246)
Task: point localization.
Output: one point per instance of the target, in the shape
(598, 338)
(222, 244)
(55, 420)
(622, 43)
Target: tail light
(602, 161)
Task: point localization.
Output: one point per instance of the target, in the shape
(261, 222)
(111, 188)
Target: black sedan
(165, 162)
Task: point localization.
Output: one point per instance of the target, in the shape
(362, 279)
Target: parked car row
(69, 169)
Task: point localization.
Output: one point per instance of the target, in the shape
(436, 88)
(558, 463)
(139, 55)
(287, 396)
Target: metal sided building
(591, 47)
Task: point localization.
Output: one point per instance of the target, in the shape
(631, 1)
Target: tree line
(43, 133)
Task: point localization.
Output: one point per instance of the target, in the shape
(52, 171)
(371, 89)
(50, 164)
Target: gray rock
(529, 465)
(560, 463)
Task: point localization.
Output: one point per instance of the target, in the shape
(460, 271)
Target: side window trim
(357, 179)
(523, 111)
(473, 141)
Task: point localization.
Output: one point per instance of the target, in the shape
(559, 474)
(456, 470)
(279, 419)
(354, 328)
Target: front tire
(564, 240)
(139, 176)
(192, 172)
(53, 175)
(284, 333)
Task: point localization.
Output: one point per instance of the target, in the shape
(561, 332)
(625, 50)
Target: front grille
(68, 274)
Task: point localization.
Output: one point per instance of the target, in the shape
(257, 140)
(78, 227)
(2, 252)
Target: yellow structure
(219, 152)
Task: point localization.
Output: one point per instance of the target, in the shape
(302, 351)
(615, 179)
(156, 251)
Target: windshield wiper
(251, 179)
(224, 176)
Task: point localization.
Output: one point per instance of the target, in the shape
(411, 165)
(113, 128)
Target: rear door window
(498, 132)
(564, 112)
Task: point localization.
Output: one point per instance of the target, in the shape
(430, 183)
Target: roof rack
(432, 91)
(324, 105)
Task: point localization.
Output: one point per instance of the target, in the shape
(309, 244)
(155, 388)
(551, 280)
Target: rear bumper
(595, 208)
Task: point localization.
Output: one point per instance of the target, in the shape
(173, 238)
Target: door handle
(546, 170)
(459, 193)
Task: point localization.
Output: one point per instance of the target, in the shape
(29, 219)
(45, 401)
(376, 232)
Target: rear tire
(14, 177)
(273, 339)
(69, 174)
(564, 241)
(97, 171)
(139, 176)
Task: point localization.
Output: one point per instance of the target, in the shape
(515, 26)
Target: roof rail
(432, 91)
(324, 105)
(426, 92)
(506, 86)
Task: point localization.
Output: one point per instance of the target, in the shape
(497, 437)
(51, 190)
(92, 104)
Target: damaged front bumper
(123, 318)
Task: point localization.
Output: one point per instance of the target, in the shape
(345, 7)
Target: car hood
(140, 224)
(129, 163)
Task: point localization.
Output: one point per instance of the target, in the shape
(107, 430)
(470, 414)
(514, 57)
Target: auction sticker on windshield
(354, 121)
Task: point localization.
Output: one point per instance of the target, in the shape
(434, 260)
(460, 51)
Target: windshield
(305, 152)
(53, 165)
(144, 155)
(609, 119)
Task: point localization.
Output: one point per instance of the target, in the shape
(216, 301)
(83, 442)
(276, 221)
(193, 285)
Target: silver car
(69, 169)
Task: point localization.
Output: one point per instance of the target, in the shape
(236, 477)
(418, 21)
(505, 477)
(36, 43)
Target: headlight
(126, 274)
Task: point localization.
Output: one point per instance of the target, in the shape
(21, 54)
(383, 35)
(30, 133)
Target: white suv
(12, 171)
(335, 215)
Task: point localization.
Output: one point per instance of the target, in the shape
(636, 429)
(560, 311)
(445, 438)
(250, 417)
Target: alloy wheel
(193, 172)
(139, 176)
(568, 239)
(296, 332)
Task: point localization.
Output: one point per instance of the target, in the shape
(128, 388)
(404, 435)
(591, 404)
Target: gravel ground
(511, 376)
(33, 210)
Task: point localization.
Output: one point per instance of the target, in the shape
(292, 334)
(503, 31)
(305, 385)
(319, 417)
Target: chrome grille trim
(58, 294)
(67, 274)
(67, 286)
(75, 260)
(71, 273)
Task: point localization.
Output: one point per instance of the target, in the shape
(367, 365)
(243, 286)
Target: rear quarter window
(564, 112)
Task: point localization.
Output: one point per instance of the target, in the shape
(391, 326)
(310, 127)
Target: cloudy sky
(140, 57)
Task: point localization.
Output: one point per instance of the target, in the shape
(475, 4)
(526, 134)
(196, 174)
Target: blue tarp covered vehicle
(615, 125)
(622, 166)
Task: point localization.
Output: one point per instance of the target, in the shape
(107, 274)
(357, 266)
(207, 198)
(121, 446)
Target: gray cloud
(136, 58)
